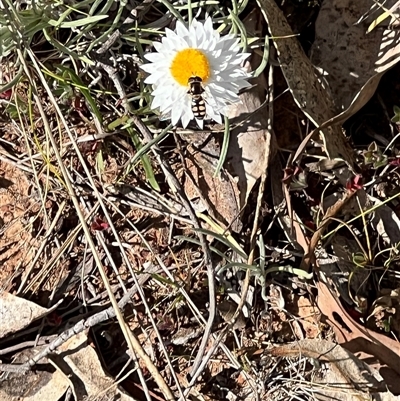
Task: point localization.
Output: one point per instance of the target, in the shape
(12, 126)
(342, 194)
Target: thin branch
(82, 325)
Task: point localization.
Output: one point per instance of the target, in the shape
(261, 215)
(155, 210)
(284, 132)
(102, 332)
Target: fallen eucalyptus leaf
(307, 90)
(350, 61)
(252, 142)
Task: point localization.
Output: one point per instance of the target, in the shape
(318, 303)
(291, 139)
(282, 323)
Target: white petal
(181, 29)
(170, 34)
(213, 114)
(147, 67)
(208, 26)
(187, 105)
(153, 57)
(154, 78)
(157, 102)
(186, 119)
(157, 45)
(176, 115)
(200, 123)
(174, 120)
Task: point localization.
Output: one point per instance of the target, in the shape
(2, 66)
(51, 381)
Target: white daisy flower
(194, 69)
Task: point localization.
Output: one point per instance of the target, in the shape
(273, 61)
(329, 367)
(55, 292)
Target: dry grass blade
(309, 257)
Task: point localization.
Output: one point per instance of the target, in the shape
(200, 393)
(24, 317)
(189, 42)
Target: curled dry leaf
(356, 338)
(252, 143)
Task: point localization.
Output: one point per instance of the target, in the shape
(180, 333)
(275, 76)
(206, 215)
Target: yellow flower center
(190, 63)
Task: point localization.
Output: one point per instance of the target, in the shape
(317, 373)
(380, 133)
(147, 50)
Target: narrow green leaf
(79, 22)
(224, 147)
(148, 168)
(84, 90)
(264, 60)
(212, 248)
(224, 240)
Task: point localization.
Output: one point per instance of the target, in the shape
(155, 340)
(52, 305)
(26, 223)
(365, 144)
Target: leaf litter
(111, 221)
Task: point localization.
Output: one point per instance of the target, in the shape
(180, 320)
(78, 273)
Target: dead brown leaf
(350, 60)
(252, 141)
(310, 95)
(353, 336)
(250, 147)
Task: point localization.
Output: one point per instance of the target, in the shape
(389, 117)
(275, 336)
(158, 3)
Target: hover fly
(198, 103)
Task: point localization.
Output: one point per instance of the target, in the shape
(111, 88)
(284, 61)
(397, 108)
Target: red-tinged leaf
(54, 319)
(99, 224)
(6, 94)
(290, 173)
(310, 224)
(355, 183)
(90, 147)
(79, 104)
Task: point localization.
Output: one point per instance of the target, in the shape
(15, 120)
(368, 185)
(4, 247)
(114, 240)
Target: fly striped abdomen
(198, 103)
